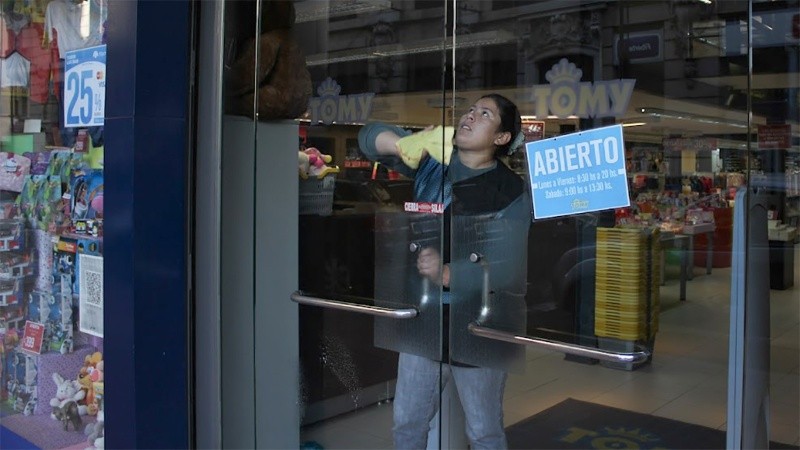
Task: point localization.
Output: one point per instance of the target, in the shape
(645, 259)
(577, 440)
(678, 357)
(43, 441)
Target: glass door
(510, 223)
(627, 320)
(370, 323)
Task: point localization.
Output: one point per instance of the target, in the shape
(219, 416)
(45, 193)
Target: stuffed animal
(316, 161)
(95, 434)
(303, 164)
(86, 380)
(97, 374)
(67, 391)
(282, 78)
(312, 162)
(68, 414)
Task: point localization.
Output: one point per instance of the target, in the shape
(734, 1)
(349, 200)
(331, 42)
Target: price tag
(32, 337)
(85, 87)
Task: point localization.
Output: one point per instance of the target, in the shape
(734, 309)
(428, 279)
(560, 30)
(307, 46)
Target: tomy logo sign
(578, 173)
(567, 96)
(331, 107)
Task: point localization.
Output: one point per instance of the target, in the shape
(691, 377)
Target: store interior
(683, 187)
(685, 163)
(687, 379)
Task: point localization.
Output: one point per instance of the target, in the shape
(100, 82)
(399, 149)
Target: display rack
(627, 289)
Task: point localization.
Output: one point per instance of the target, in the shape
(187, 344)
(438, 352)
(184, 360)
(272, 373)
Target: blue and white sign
(578, 173)
(85, 87)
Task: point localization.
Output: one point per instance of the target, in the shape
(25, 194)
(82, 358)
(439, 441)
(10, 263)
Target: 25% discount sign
(85, 87)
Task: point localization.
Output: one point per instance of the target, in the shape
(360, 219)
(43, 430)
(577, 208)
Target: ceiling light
(679, 115)
(311, 10)
(570, 117)
(423, 46)
(633, 124)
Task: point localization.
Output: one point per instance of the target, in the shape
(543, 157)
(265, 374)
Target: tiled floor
(686, 381)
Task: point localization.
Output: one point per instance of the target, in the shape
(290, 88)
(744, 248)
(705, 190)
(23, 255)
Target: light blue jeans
(416, 401)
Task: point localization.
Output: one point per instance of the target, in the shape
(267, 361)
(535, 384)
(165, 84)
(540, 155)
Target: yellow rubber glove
(437, 143)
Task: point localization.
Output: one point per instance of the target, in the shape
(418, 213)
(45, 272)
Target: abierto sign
(578, 173)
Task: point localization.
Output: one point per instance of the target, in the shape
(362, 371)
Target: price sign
(32, 337)
(85, 87)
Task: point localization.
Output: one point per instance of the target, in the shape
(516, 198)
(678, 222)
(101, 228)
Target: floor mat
(574, 424)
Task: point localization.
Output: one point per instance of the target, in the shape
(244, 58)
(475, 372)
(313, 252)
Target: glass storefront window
(52, 100)
(639, 122)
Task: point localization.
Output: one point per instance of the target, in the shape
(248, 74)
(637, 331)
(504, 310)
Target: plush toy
(312, 162)
(95, 434)
(316, 161)
(68, 414)
(86, 382)
(97, 377)
(97, 374)
(282, 78)
(67, 391)
(303, 164)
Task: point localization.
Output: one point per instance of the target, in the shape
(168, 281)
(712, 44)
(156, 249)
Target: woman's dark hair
(510, 120)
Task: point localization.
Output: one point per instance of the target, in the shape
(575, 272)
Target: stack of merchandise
(627, 289)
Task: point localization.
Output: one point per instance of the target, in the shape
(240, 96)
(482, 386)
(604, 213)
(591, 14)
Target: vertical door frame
(208, 406)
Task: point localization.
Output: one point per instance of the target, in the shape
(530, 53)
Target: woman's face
(478, 128)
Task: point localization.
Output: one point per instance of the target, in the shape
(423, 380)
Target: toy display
(51, 212)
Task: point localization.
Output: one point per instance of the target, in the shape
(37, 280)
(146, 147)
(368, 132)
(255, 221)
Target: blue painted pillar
(147, 142)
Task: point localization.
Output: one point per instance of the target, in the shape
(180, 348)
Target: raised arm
(385, 143)
(377, 142)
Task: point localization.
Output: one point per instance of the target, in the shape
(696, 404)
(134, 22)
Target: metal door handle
(571, 349)
(477, 258)
(393, 313)
(425, 295)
